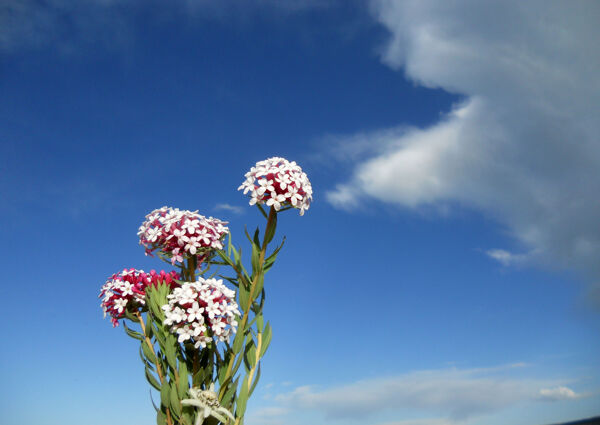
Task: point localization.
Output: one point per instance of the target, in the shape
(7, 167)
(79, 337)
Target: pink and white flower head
(126, 291)
(181, 234)
(198, 311)
(277, 182)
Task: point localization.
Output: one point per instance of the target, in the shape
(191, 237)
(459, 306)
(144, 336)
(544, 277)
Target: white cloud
(558, 393)
(504, 257)
(267, 416)
(523, 147)
(228, 207)
(452, 395)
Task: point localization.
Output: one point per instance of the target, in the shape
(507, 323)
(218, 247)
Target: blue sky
(446, 273)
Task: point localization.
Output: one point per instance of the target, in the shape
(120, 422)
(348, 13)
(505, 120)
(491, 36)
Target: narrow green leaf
(149, 322)
(266, 339)
(250, 355)
(230, 393)
(244, 297)
(170, 350)
(159, 334)
(260, 281)
(256, 238)
(242, 400)
(270, 231)
(174, 401)
(144, 359)
(148, 353)
(238, 341)
(183, 384)
(236, 365)
(270, 260)
(132, 333)
(256, 378)
(131, 317)
(186, 418)
(164, 396)
(255, 258)
(161, 418)
(151, 379)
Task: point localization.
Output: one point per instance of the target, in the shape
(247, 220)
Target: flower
(127, 290)
(199, 310)
(181, 233)
(277, 182)
(207, 403)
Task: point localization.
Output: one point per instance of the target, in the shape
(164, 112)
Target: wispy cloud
(446, 395)
(506, 258)
(558, 393)
(228, 207)
(522, 147)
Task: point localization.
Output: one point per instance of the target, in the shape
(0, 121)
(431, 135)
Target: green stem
(257, 273)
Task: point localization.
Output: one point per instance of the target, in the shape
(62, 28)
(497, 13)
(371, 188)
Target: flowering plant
(196, 332)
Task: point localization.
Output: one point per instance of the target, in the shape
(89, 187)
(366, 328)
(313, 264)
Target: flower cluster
(127, 290)
(277, 182)
(199, 310)
(180, 233)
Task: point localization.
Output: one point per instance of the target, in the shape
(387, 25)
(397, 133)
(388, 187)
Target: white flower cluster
(181, 233)
(277, 182)
(198, 311)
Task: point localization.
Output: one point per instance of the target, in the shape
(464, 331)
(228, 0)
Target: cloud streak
(522, 147)
(228, 207)
(447, 395)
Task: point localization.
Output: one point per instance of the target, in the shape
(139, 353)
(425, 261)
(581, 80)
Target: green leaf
(131, 317)
(242, 400)
(161, 418)
(270, 231)
(250, 355)
(144, 359)
(132, 333)
(164, 396)
(244, 297)
(229, 394)
(260, 321)
(183, 384)
(255, 258)
(148, 353)
(256, 238)
(238, 341)
(148, 328)
(256, 378)
(186, 418)
(174, 401)
(151, 379)
(271, 258)
(260, 281)
(159, 334)
(266, 339)
(170, 350)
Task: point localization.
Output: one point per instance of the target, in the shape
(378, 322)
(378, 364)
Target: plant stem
(157, 363)
(257, 273)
